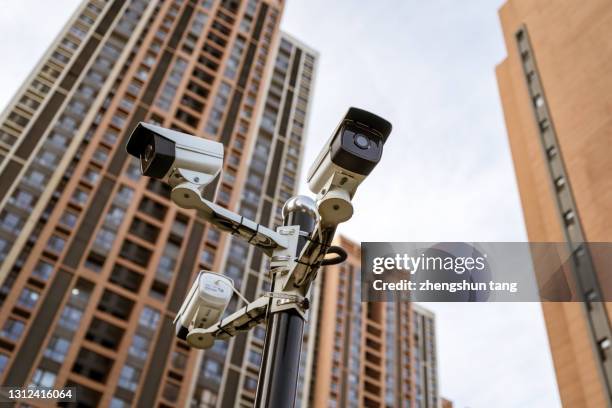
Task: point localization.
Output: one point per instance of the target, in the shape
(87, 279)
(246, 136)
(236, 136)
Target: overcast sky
(446, 173)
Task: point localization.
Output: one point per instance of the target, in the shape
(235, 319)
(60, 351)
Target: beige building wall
(571, 42)
(95, 258)
(364, 353)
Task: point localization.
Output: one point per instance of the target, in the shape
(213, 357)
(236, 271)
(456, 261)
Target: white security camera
(177, 157)
(349, 156)
(205, 303)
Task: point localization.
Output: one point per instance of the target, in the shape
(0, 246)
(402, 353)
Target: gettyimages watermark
(482, 271)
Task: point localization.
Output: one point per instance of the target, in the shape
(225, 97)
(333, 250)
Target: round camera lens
(361, 141)
(149, 153)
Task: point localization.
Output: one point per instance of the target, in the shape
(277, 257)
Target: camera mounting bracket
(187, 195)
(241, 320)
(292, 275)
(245, 318)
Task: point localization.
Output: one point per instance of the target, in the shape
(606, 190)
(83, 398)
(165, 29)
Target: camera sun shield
(177, 157)
(356, 149)
(156, 153)
(158, 156)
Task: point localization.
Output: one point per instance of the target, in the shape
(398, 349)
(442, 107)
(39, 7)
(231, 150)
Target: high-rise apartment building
(370, 354)
(425, 359)
(95, 258)
(556, 93)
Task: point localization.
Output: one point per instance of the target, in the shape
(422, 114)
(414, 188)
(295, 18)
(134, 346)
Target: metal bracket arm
(243, 319)
(188, 196)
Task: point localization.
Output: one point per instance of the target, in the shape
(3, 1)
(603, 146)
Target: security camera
(349, 156)
(205, 303)
(177, 157)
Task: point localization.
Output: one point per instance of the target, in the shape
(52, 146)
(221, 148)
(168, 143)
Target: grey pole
(279, 371)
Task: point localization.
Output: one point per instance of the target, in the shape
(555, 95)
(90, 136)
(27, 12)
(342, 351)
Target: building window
(36, 178)
(124, 195)
(68, 123)
(48, 159)
(167, 262)
(118, 403)
(56, 243)
(110, 136)
(86, 91)
(250, 384)
(234, 272)
(207, 257)
(80, 196)
(220, 347)
(128, 378)
(115, 216)
(11, 222)
(91, 176)
(22, 199)
(133, 170)
(95, 77)
(142, 74)
(209, 398)
(100, 155)
(179, 360)
(105, 239)
(238, 250)
(70, 318)
(57, 349)
(255, 358)
(149, 318)
(223, 196)
(43, 378)
(86, 19)
(13, 329)
(259, 333)
(69, 219)
(134, 88)
(212, 370)
(3, 363)
(28, 298)
(288, 181)
(43, 270)
(139, 347)
(77, 107)
(213, 235)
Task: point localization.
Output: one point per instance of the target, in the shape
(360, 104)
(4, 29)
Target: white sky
(446, 173)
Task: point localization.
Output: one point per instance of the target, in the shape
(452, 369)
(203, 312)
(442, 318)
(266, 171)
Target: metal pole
(279, 371)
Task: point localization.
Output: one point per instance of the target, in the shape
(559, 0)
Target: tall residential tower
(370, 354)
(96, 259)
(556, 91)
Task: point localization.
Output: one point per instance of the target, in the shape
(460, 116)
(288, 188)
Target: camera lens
(361, 141)
(149, 153)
